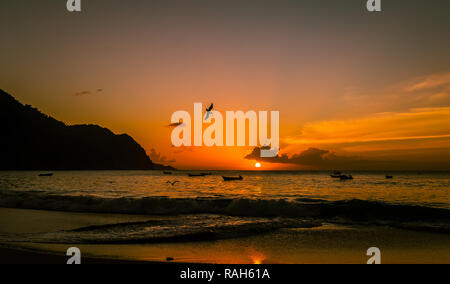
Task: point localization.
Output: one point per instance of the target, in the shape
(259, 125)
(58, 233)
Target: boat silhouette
(232, 178)
(346, 177)
(46, 175)
(336, 174)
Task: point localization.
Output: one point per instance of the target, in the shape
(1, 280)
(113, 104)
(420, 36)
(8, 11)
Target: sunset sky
(355, 90)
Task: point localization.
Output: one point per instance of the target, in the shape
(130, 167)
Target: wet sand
(327, 244)
(23, 256)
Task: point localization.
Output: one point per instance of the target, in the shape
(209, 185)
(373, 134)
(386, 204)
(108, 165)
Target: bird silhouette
(172, 182)
(175, 124)
(209, 111)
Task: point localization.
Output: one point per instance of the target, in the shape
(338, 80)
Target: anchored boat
(232, 178)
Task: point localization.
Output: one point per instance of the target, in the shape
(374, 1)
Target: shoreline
(11, 255)
(326, 244)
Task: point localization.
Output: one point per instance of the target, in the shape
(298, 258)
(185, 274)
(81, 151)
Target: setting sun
(257, 165)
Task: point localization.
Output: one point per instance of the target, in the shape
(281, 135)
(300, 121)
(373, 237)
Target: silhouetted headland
(32, 140)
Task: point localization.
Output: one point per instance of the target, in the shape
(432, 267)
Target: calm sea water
(429, 189)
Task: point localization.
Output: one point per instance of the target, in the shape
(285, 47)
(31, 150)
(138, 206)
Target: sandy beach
(24, 256)
(325, 244)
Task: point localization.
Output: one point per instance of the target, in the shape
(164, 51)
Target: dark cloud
(183, 149)
(315, 159)
(312, 156)
(84, 93)
(158, 158)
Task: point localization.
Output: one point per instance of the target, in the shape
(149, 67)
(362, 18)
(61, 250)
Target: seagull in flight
(175, 124)
(209, 111)
(172, 183)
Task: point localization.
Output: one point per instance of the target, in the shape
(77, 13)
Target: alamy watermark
(75, 255)
(214, 133)
(374, 5)
(73, 5)
(375, 254)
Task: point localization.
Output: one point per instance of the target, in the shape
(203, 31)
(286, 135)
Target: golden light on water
(257, 256)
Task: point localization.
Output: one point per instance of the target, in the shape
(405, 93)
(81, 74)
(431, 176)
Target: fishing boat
(389, 177)
(46, 175)
(167, 173)
(232, 178)
(346, 177)
(336, 174)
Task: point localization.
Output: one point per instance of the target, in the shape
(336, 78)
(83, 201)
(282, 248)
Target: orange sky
(372, 90)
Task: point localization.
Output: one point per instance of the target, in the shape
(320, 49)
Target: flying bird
(209, 111)
(175, 124)
(172, 183)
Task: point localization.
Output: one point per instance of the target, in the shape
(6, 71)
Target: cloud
(416, 124)
(439, 97)
(389, 160)
(404, 126)
(417, 139)
(183, 149)
(158, 158)
(83, 93)
(435, 81)
(313, 158)
(426, 91)
(430, 90)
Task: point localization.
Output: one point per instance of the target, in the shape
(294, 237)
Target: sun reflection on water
(257, 256)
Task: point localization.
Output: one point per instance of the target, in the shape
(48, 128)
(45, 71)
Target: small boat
(346, 177)
(46, 175)
(167, 173)
(206, 174)
(232, 178)
(389, 177)
(336, 174)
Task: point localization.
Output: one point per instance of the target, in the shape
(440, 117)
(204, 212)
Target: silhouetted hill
(31, 140)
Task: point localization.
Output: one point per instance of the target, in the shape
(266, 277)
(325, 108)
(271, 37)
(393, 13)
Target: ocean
(208, 208)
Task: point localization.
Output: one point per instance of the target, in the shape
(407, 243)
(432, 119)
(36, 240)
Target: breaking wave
(358, 210)
(183, 229)
(225, 218)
